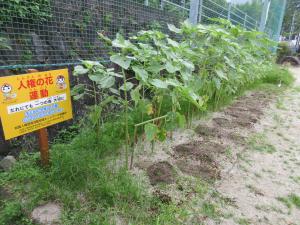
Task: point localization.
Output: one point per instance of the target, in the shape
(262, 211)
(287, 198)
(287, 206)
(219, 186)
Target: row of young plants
(156, 82)
(168, 78)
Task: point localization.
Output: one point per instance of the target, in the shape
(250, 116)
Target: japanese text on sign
(33, 101)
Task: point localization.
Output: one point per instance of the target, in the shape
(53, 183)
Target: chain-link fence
(36, 33)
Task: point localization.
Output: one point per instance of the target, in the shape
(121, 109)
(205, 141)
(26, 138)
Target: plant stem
(189, 122)
(95, 93)
(149, 121)
(126, 119)
(133, 147)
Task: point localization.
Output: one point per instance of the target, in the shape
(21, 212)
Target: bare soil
(161, 172)
(250, 151)
(260, 182)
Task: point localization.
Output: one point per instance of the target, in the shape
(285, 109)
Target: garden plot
(264, 183)
(205, 151)
(249, 155)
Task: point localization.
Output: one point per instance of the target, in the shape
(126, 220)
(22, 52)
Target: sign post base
(44, 146)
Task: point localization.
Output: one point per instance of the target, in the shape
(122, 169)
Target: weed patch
(259, 143)
(290, 201)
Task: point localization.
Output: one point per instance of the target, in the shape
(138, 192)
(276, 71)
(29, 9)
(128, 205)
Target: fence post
(264, 15)
(229, 11)
(146, 3)
(245, 21)
(194, 10)
(281, 20)
(162, 4)
(200, 11)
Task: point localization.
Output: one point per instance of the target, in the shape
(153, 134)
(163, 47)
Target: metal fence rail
(37, 33)
(211, 9)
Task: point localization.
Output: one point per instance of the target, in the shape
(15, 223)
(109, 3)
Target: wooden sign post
(44, 146)
(34, 101)
(43, 138)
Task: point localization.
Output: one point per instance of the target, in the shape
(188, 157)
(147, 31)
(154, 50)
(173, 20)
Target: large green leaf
(159, 84)
(140, 73)
(151, 130)
(90, 64)
(107, 82)
(135, 95)
(221, 75)
(78, 97)
(129, 86)
(229, 62)
(155, 67)
(173, 43)
(171, 68)
(173, 82)
(121, 60)
(120, 42)
(162, 135)
(174, 29)
(96, 77)
(80, 70)
(78, 91)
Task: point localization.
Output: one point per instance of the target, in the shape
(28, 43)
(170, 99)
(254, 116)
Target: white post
(146, 3)
(200, 11)
(194, 10)
(162, 4)
(245, 21)
(229, 11)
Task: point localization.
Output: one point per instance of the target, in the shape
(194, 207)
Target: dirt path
(265, 180)
(248, 156)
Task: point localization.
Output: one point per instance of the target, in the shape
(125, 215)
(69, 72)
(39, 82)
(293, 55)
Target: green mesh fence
(37, 33)
(275, 18)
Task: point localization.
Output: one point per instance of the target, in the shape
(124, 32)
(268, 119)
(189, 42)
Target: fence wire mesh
(62, 32)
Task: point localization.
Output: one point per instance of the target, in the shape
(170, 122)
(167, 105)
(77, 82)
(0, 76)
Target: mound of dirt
(236, 138)
(200, 150)
(236, 113)
(163, 197)
(252, 104)
(208, 131)
(207, 170)
(161, 172)
(198, 158)
(224, 122)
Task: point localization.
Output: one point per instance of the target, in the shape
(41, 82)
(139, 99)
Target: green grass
(12, 213)
(258, 142)
(87, 176)
(228, 152)
(210, 210)
(296, 179)
(290, 201)
(278, 75)
(243, 221)
(296, 89)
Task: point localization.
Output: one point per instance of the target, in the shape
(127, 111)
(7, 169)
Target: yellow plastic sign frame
(33, 101)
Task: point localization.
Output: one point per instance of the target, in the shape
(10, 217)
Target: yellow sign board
(33, 101)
